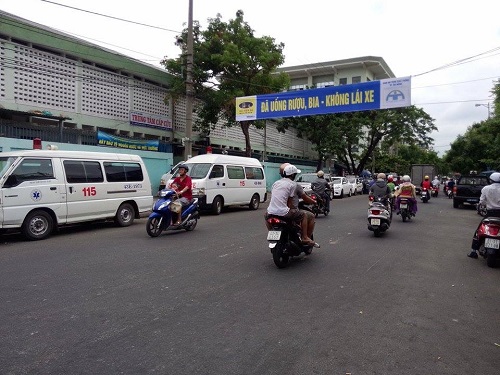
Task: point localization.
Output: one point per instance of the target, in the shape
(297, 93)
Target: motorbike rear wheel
(491, 260)
(153, 227)
(192, 225)
(403, 215)
(279, 257)
(377, 232)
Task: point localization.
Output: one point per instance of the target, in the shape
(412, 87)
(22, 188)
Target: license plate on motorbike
(492, 243)
(273, 235)
(403, 205)
(375, 221)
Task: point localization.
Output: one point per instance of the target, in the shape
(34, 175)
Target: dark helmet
(183, 166)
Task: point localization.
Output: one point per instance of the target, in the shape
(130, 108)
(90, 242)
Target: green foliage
(357, 135)
(229, 61)
(479, 148)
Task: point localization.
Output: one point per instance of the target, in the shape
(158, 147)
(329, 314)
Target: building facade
(78, 92)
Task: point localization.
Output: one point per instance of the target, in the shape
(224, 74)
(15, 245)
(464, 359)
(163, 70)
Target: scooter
(379, 215)
(489, 236)
(285, 240)
(435, 191)
(425, 195)
(405, 209)
(162, 216)
(320, 206)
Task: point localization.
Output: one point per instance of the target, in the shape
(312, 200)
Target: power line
(116, 18)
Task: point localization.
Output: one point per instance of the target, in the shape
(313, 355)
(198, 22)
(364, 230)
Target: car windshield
(198, 170)
(307, 178)
(337, 180)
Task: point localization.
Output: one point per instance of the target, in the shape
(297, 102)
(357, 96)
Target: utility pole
(188, 149)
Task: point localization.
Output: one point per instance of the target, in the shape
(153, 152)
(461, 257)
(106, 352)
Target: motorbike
(435, 191)
(425, 195)
(405, 209)
(379, 215)
(162, 215)
(448, 192)
(489, 236)
(319, 208)
(285, 240)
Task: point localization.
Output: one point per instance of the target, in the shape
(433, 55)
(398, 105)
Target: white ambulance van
(43, 189)
(225, 180)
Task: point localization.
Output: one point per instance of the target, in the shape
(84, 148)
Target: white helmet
(406, 178)
(290, 170)
(320, 173)
(495, 177)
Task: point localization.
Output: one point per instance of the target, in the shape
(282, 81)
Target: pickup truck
(468, 190)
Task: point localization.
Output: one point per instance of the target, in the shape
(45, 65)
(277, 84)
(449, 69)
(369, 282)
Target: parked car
(305, 180)
(341, 187)
(357, 183)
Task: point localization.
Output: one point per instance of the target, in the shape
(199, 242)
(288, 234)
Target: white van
(226, 180)
(40, 189)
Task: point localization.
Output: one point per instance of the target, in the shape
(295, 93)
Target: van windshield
(5, 163)
(198, 170)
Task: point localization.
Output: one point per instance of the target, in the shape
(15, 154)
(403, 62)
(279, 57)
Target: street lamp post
(487, 106)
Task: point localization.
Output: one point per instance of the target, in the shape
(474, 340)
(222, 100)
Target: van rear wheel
(38, 225)
(125, 215)
(254, 202)
(217, 205)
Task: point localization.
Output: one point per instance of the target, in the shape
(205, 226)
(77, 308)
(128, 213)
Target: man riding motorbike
(426, 184)
(320, 187)
(284, 202)
(406, 190)
(490, 197)
(380, 189)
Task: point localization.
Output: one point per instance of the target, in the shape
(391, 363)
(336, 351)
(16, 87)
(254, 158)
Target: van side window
(83, 171)
(217, 171)
(235, 173)
(254, 173)
(34, 169)
(121, 172)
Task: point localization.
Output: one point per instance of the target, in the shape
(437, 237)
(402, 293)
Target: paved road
(97, 299)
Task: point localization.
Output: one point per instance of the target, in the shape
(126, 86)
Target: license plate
(403, 205)
(273, 235)
(375, 222)
(491, 243)
(472, 200)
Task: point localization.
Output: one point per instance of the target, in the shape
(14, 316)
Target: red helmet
(390, 179)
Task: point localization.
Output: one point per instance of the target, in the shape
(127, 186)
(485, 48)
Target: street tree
(354, 137)
(229, 61)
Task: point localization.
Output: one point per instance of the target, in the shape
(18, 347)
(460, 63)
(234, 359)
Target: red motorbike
(435, 191)
(489, 235)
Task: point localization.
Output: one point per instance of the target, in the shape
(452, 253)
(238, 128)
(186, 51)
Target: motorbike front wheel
(153, 226)
(280, 258)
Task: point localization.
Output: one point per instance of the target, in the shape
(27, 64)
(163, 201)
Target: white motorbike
(379, 215)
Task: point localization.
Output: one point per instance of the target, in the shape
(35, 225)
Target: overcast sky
(424, 39)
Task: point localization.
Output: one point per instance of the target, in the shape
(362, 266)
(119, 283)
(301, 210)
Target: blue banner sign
(383, 94)
(105, 139)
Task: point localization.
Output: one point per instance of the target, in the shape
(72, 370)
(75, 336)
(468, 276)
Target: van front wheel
(125, 215)
(37, 225)
(254, 202)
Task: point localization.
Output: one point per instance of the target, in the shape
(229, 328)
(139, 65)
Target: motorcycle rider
(490, 197)
(320, 187)
(406, 190)
(435, 182)
(284, 202)
(450, 184)
(426, 184)
(182, 185)
(380, 188)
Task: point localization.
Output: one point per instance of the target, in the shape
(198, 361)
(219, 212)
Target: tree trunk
(245, 126)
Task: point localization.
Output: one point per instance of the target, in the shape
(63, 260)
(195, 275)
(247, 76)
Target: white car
(342, 187)
(306, 179)
(357, 184)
